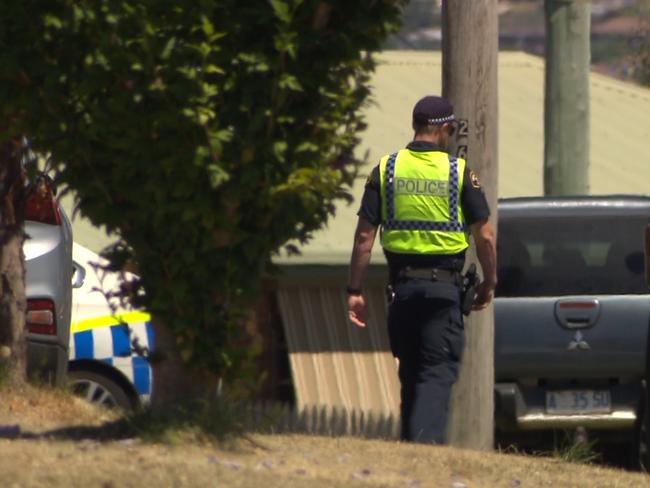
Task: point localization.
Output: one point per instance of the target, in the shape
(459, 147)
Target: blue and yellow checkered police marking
(109, 339)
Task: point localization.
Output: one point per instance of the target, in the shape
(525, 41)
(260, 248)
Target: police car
(108, 347)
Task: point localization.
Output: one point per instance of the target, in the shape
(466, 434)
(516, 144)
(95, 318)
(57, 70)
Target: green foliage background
(205, 133)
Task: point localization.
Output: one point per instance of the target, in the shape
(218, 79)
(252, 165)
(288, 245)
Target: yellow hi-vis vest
(420, 194)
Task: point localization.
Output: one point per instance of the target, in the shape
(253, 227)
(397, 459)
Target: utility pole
(566, 99)
(470, 47)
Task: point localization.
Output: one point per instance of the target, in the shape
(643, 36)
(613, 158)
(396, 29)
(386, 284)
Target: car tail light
(41, 205)
(40, 318)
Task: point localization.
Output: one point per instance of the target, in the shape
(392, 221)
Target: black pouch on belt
(470, 282)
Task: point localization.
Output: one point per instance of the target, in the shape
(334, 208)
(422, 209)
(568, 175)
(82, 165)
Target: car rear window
(570, 256)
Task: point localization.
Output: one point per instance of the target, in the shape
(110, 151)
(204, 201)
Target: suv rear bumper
(47, 361)
(523, 408)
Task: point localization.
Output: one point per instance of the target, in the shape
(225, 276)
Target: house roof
(619, 135)
(620, 131)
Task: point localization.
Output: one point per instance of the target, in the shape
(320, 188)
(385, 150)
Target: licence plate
(567, 402)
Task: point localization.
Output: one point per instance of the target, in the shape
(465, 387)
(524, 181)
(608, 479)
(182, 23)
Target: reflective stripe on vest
(421, 211)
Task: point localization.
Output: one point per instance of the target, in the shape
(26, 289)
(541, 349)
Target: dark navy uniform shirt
(472, 201)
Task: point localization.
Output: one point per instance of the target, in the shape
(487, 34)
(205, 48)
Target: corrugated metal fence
(335, 364)
(279, 418)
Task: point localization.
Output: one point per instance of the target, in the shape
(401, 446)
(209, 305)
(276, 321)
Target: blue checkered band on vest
(453, 225)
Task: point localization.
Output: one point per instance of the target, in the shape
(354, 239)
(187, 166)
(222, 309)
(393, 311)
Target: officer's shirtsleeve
(472, 199)
(371, 200)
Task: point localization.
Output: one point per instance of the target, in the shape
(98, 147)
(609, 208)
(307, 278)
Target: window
(555, 256)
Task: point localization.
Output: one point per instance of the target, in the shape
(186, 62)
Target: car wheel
(99, 390)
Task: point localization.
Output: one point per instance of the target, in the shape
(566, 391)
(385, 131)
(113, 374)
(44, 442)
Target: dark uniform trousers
(425, 327)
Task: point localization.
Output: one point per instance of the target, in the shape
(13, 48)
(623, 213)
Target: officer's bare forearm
(364, 238)
(486, 250)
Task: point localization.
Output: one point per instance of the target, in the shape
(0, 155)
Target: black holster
(468, 294)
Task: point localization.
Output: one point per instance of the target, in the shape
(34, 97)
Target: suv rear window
(570, 256)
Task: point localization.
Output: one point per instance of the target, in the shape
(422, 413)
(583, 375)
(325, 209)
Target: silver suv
(49, 273)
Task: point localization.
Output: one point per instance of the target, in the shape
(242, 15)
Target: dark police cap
(433, 110)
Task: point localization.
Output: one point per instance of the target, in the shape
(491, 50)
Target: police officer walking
(426, 201)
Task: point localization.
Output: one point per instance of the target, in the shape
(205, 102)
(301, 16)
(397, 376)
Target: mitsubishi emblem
(578, 343)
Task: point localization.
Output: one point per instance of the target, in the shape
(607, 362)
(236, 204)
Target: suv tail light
(40, 318)
(41, 205)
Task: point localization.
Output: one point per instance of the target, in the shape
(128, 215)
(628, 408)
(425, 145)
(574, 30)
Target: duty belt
(433, 274)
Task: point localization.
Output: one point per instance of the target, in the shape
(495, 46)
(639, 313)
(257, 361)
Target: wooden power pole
(469, 80)
(566, 100)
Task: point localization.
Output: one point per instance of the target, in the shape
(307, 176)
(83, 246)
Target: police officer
(426, 202)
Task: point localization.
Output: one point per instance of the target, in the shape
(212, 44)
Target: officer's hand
(484, 293)
(357, 310)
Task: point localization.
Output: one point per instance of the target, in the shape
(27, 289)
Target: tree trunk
(174, 383)
(13, 346)
(469, 81)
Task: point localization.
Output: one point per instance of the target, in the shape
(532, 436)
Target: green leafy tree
(204, 133)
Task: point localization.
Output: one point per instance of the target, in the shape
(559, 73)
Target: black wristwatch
(353, 291)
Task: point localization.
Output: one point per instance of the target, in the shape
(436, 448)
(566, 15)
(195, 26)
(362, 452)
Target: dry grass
(38, 409)
(284, 461)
